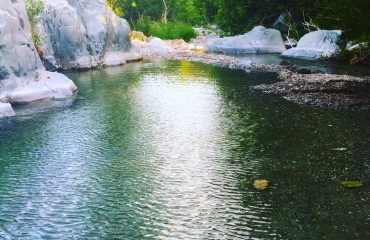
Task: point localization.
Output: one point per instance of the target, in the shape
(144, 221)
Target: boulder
(6, 110)
(80, 34)
(138, 36)
(259, 40)
(316, 45)
(21, 70)
(157, 42)
(180, 44)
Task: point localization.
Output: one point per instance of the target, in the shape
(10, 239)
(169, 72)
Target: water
(170, 150)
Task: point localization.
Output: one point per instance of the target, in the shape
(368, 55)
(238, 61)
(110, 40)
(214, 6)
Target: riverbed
(170, 149)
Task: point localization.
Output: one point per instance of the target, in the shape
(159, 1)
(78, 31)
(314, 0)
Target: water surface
(170, 150)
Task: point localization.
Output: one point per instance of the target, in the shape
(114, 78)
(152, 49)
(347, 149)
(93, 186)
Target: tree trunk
(165, 12)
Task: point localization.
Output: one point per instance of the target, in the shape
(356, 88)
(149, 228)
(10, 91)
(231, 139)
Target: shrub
(169, 30)
(34, 10)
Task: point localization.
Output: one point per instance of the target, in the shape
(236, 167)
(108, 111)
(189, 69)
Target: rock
(6, 110)
(200, 49)
(259, 40)
(245, 64)
(157, 42)
(261, 184)
(281, 24)
(48, 85)
(316, 45)
(22, 72)
(138, 36)
(80, 34)
(180, 44)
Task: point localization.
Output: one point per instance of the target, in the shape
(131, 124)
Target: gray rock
(6, 110)
(259, 40)
(78, 34)
(157, 42)
(22, 76)
(316, 45)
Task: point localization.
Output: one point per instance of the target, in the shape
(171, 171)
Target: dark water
(170, 150)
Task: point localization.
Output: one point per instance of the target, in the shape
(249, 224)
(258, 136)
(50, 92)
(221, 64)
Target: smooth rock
(261, 184)
(6, 110)
(46, 85)
(259, 40)
(316, 45)
(80, 34)
(157, 42)
(22, 76)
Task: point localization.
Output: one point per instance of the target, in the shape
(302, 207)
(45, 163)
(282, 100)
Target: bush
(34, 10)
(169, 30)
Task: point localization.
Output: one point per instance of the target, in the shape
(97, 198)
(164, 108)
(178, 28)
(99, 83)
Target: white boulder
(157, 42)
(316, 45)
(6, 110)
(79, 34)
(259, 40)
(23, 78)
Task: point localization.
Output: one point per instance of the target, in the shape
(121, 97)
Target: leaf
(261, 184)
(352, 184)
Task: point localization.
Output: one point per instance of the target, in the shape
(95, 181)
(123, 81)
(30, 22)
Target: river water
(170, 150)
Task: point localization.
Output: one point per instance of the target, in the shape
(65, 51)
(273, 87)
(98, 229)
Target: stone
(180, 44)
(316, 45)
(259, 40)
(157, 42)
(23, 78)
(82, 34)
(200, 49)
(6, 110)
(352, 184)
(138, 36)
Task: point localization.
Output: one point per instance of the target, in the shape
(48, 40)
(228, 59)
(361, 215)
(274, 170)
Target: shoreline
(331, 91)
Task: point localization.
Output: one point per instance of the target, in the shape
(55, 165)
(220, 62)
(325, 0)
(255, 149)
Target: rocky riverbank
(314, 89)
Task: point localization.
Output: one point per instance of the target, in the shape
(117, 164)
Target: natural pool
(170, 150)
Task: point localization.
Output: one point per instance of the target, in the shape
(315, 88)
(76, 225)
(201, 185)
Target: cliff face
(75, 34)
(23, 78)
(78, 34)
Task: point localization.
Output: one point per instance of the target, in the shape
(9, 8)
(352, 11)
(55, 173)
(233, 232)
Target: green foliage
(34, 10)
(169, 30)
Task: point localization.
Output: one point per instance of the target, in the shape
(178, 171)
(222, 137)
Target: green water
(170, 150)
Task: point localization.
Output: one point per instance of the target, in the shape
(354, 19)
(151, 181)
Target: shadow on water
(170, 150)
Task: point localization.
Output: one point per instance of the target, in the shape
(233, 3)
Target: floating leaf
(261, 184)
(352, 184)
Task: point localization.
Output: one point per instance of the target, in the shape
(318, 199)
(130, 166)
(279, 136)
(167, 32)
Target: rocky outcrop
(316, 45)
(322, 90)
(80, 34)
(259, 40)
(23, 78)
(6, 110)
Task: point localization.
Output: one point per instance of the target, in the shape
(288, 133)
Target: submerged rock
(6, 110)
(79, 34)
(316, 45)
(23, 78)
(259, 40)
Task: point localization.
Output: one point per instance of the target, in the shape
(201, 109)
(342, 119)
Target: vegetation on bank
(165, 30)
(34, 10)
(240, 16)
